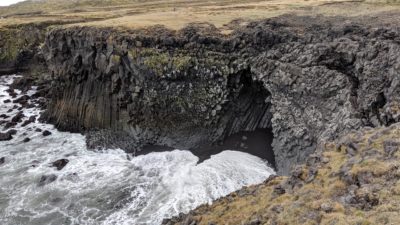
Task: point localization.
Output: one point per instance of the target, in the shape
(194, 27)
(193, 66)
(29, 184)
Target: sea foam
(108, 186)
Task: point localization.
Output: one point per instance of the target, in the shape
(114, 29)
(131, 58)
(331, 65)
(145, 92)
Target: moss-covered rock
(19, 47)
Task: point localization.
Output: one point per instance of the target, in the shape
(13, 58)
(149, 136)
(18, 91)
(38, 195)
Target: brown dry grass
(175, 14)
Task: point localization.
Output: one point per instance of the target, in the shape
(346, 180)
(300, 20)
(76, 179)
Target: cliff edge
(306, 79)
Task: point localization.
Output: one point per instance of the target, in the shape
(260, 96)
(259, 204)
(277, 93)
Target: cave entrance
(246, 123)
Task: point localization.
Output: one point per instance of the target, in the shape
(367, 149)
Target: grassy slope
(353, 181)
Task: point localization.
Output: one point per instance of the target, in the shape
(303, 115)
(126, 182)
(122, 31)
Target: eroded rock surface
(308, 79)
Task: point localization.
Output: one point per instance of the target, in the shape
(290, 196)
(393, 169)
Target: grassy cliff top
(354, 180)
(177, 13)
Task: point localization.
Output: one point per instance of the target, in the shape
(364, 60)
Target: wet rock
(18, 118)
(9, 125)
(7, 101)
(5, 136)
(42, 102)
(23, 100)
(38, 130)
(2, 160)
(31, 119)
(12, 132)
(25, 123)
(23, 83)
(11, 92)
(30, 106)
(4, 116)
(27, 140)
(46, 133)
(60, 164)
(35, 163)
(47, 179)
(41, 92)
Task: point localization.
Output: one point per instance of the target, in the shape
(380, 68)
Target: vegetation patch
(161, 62)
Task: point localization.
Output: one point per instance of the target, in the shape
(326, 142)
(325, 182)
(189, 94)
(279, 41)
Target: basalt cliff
(306, 79)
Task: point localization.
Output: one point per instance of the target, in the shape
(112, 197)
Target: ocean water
(108, 186)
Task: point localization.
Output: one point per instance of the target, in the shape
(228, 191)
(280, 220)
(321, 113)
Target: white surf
(108, 187)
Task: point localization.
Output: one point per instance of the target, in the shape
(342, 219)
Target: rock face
(307, 79)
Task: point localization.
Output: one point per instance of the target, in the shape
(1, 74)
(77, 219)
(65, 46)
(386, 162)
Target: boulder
(5, 136)
(60, 164)
(31, 119)
(18, 118)
(47, 179)
(46, 133)
(12, 132)
(9, 125)
(23, 100)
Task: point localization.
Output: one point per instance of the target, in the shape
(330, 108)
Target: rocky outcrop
(307, 79)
